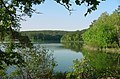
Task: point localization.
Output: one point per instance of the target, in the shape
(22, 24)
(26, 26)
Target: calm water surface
(63, 56)
(99, 63)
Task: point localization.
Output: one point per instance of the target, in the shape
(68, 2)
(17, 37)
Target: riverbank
(112, 50)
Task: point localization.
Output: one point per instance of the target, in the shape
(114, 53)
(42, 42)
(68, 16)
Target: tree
(38, 64)
(104, 32)
(96, 65)
(92, 4)
(11, 12)
(73, 36)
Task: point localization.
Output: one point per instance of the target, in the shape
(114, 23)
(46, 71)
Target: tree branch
(67, 7)
(11, 30)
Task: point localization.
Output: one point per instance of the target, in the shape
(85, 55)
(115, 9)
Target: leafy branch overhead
(11, 11)
(90, 4)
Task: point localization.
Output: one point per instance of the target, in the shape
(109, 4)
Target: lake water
(63, 56)
(99, 63)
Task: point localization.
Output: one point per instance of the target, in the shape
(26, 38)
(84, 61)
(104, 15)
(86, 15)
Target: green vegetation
(91, 4)
(104, 32)
(45, 35)
(73, 36)
(38, 64)
(35, 63)
(96, 65)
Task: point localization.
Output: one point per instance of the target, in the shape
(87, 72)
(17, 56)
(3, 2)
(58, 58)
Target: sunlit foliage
(39, 64)
(96, 65)
(73, 36)
(104, 32)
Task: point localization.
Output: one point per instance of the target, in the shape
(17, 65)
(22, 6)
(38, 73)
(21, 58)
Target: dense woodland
(34, 62)
(54, 36)
(45, 35)
(102, 33)
(73, 37)
(105, 31)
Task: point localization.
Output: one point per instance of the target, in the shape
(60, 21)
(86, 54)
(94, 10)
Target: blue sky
(56, 17)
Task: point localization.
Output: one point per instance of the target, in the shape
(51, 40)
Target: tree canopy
(45, 35)
(11, 12)
(105, 31)
(73, 36)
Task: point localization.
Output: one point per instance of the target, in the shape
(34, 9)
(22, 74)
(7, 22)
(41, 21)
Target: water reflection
(95, 64)
(75, 46)
(103, 64)
(63, 56)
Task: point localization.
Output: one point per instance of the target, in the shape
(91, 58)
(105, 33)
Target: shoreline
(112, 50)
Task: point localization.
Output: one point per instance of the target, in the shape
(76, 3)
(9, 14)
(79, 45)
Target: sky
(56, 17)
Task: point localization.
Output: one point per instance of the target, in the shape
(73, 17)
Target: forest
(54, 36)
(102, 33)
(35, 62)
(105, 31)
(73, 37)
(45, 35)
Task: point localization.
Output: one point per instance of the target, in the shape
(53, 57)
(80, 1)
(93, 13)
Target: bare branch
(67, 7)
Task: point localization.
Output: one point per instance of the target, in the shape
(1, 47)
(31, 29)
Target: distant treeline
(75, 36)
(45, 35)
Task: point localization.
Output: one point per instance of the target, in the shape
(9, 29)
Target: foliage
(39, 64)
(96, 65)
(72, 37)
(45, 35)
(104, 32)
(11, 12)
(91, 4)
(3, 74)
(60, 75)
(7, 54)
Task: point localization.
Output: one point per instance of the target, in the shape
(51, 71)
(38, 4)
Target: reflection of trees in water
(97, 65)
(75, 46)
